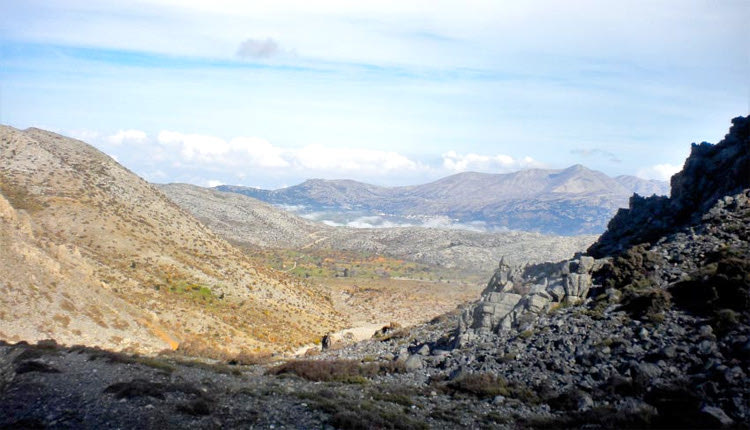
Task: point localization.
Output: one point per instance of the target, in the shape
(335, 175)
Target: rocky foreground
(654, 334)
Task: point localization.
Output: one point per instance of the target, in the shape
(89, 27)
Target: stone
(495, 297)
(536, 303)
(557, 292)
(440, 352)
(414, 362)
(715, 417)
(577, 286)
(706, 347)
(706, 331)
(585, 402)
(424, 350)
(585, 265)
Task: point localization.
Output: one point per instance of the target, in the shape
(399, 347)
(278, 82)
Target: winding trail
(316, 239)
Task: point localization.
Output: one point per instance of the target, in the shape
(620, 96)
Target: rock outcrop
(516, 295)
(710, 173)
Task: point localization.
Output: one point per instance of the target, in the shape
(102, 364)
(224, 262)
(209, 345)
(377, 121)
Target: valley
(406, 275)
(186, 299)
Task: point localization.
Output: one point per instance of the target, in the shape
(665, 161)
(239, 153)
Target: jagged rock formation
(710, 172)
(516, 295)
(662, 340)
(676, 267)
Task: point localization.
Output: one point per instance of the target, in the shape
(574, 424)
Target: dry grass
(347, 371)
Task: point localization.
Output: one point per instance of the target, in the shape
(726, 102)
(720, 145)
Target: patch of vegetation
(485, 385)
(119, 357)
(246, 358)
(403, 396)
(645, 302)
(195, 407)
(346, 371)
(599, 417)
(19, 197)
(633, 267)
(144, 388)
(723, 282)
(632, 273)
(192, 290)
(136, 388)
(326, 264)
(373, 417)
(391, 331)
(34, 366)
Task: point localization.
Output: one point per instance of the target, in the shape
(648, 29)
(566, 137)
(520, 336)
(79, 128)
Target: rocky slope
(655, 336)
(571, 201)
(249, 222)
(710, 172)
(153, 277)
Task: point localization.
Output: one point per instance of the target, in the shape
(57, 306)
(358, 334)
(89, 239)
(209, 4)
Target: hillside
(152, 276)
(652, 336)
(571, 201)
(249, 222)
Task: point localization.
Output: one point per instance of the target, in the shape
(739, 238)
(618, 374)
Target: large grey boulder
(514, 292)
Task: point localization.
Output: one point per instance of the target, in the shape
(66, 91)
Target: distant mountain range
(255, 224)
(571, 201)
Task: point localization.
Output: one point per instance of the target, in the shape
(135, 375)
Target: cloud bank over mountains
(206, 160)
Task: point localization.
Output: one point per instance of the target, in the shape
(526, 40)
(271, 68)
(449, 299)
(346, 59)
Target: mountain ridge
(251, 222)
(570, 201)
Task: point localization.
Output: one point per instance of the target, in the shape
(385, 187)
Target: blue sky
(271, 93)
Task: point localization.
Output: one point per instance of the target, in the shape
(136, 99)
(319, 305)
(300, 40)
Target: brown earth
(94, 254)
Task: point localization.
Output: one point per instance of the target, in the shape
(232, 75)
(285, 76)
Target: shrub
(391, 331)
(196, 407)
(646, 303)
(481, 385)
(249, 359)
(722, 283)
(136, 388)
(348, 371)
(487, 384)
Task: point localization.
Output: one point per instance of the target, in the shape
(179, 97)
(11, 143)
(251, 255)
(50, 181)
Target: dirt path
(348, 335)
(316, 240)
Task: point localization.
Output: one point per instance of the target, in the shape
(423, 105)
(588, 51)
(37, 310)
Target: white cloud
(260, 152)
(256, 152)
(485, 163)
(214, 183)
(195, 147)
(240, 151)
(128, 136)
(659, 171)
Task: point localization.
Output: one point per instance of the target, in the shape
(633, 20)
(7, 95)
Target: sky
(270, 93)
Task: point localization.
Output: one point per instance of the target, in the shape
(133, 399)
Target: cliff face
(709, 173)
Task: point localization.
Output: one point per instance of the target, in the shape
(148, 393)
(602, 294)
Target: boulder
(577, 286)
(414, 362)
(536, 303)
